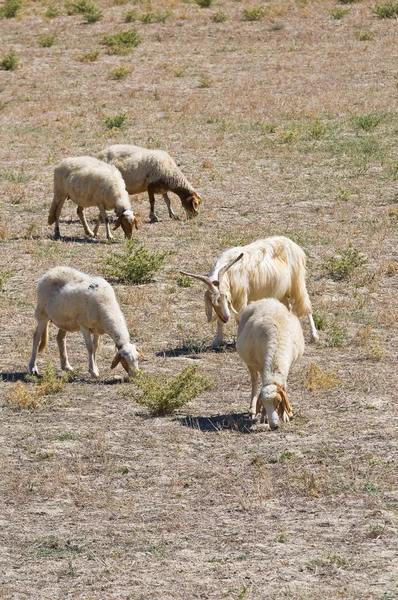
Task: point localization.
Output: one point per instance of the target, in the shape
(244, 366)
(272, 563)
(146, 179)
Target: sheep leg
(80, 214)
(95, 344)
(37, 336)
(152, 217)
(104, 217)
(314, 334)
(59, 205)
(61, 341)
(92, 367)
(216, 343)
(172, 214)
(97, 225)
(253, 402)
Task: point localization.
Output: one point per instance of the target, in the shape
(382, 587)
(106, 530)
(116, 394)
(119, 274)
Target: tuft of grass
(320, 379)
(164, 396)
(89, 57)
(282, 457)
(52, 12)
(364, 36)
(115, 122)
(133, 264)
(4, 277)
(320, 322)
(338, 13)
(389, 10)
(92, 14)
(130, 16)
(219, 17)
(122, 42)
(155, 17)
(204, 3)
(47, 40)
(282, 537)
(121, 72)
(316, 130)
(10, 8)
(253, 14)
(10, 61)
(366, 122)
(183, 281)
(22, 396)
(205, 81)
(343, 264)
(336, 336)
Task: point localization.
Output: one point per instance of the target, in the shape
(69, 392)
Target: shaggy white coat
(270, 340)
(88, 181)
(153, 171)
(74, 301)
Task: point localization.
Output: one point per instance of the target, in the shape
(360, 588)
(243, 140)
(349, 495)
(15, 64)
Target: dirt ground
(286, 126)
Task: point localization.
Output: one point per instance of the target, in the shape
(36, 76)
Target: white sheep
(270, 340)
(74, 301)
(155, 172)
(269, 268)
(88, 181)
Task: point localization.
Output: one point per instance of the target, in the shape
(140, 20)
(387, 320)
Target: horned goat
(269, 268)
(155, 172)
(88, 182)
(270, 340)
(74, 301)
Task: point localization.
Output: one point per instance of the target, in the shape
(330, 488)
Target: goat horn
(228, 266)
(203, 278)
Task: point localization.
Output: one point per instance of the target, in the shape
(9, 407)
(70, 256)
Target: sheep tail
(282, 404)
(52, 215)
(298, 292)
(44, 339)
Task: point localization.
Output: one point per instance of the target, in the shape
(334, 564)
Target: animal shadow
(13, 376)
(240, 422)
(195, 349)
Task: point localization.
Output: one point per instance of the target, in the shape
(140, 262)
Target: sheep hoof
(314, 338)
(216, 343)
(33, 371)
(154, 219)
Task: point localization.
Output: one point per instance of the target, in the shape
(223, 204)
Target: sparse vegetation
(115, 122)
(344, 263)
(133, 264)
(47, 40)
(219, 17)
(254, 14)
(389, 10)
(157, 16)
(10, 8)
(183, 281)
(336, 335)
(122, 42)
(90, 11)
(318, 378)
(205, 81)
(130, 16)
(10, 61)
(364, 36)
(89, 57)
(366, 122)
(204, 3)
(4, 277)
(165, 396)
(338, 13)
(121, 72)
(30, 396)
(52, 12)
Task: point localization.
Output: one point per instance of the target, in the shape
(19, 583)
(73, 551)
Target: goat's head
(274, 400)
(216, 300)
(128, 355)
(191, 205)
(127, 220)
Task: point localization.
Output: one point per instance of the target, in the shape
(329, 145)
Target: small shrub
(282, 457)
(349, 1)
(130, 16)
(133, 264)
(219, 17)
(122, 42)
(179, 71)
(336, 336)
(364, 36)
(92, 14)
(89, 57)
(341, 265)
(316, 130)
(4, 277)
(288, 135)
(155, 17)
(52, 12)
(182, 280)
(115, 122)
(386, 11)
(10, 8)
(164, 396)
(320, 322)
(366, 122)
(121, 72)
(253, 14)
(22, 396)
(338, 13)
(205, 81)
(204, 3)
(10, 61)
(320, 379)
(78, 8)
(46, 41)
(48, 383)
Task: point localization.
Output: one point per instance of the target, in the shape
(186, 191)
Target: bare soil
(286, 126)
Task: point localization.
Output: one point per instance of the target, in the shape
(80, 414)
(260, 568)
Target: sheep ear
(141, 355)
(125, 364)
(118, 222)
(116, 361)
(135, 222)
(208, 307)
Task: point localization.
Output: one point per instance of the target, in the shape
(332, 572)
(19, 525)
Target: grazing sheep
(88, 182)
(270, 340)
(74, 301)
(269, 268)
(155, 172)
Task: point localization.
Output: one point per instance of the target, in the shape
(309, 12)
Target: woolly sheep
(155, 172)
(270, 268)
(75, 301)
(270, 340)
(88, 182)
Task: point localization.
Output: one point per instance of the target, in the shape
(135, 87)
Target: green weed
(205, 81)
(10, 8)
(10, 61)
(344, 263)
(92, 14)
(219, 17)
(155, 17)
(121, 72)
(389, 10)
(4, 277)
(130, 16)
(204, 3)
(133, 264)
(46, 41)
(364, 36)
(254, 14)
(282, 537)
(282, 457)
(338, 13)
(163, 397)
(181, 280)
(115, 122)
(336, 336)
(30, 397)
(122, 42)
(52, 12)
(366, 122)
(316, 130)
(89, 57)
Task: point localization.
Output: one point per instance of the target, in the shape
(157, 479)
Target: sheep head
(128, 355)
(127, 220)
(215, 299)
(191, 205)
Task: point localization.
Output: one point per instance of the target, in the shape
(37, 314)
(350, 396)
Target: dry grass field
(286, 124)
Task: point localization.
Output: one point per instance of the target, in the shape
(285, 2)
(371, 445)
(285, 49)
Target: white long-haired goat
(88, 181)
(74, 301)
(270, 340)
(269, 268)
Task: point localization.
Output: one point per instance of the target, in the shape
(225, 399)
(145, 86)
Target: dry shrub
(320, 379)
(23, 396)
(365, 337)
